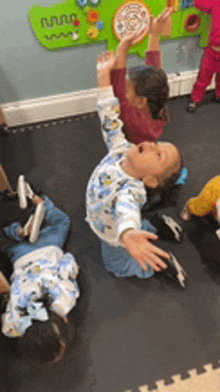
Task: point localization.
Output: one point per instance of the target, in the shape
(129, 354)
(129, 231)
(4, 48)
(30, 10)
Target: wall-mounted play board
(81, 22)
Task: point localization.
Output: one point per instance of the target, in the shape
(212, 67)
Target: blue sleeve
(111, 125)
(128, 208)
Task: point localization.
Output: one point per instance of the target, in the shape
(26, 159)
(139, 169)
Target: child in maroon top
(211, 57)
(144, 93)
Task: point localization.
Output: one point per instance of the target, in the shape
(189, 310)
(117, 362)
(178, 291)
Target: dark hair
(4, 298)
(6, 270)
(166, 193)
(170, 181)
(47, 340)
(151, 82)
(5, 265)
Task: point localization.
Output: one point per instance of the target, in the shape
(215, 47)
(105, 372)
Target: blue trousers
(54, 233)
(119, 261)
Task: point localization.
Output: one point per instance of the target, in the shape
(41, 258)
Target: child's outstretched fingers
(158, 24)
(141, 249)
(106, 61)
(151, 236)
(133, 36)
(166, 13)
(152, 24)
(130, 39)
(153, 256)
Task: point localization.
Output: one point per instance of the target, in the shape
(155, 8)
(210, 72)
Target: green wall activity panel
(81, 22)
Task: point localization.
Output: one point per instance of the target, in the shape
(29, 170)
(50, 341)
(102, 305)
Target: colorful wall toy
(81, 22)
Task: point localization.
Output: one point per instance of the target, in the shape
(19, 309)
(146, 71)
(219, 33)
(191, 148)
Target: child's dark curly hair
(48, 341)
(5, 265)
(151, 82)
(168, 192)
(6, 270)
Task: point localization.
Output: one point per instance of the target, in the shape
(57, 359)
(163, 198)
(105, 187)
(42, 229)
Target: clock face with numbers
(132, 16)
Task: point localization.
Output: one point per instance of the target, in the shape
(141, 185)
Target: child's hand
(123, 49)
(106, 62)
(141, 249)
(129, 40)
(158, 24)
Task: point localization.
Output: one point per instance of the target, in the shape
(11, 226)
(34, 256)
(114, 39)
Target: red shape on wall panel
(192, 23)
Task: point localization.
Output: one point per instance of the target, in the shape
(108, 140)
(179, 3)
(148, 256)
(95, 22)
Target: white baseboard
(81, 102)
(51, 107)
(182, 83)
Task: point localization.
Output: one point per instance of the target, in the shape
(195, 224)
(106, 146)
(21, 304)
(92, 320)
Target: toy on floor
(207, 202)
(209, 381)
(43, 284)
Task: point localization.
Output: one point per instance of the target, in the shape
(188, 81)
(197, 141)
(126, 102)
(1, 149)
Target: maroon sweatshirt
(137, 126)
(211, 7)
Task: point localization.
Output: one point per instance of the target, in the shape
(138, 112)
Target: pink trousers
(210, 65)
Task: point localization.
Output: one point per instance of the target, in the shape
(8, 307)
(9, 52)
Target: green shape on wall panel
(67, 25)
(179, 20)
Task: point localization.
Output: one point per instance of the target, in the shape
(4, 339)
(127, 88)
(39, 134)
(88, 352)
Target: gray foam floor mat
(131, 332)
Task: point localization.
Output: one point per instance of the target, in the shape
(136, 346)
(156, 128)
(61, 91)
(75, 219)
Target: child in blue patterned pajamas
(43, 286)
(116, 190)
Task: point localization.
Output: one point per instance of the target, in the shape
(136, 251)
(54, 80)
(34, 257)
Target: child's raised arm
(138, 244)
(105, 63)
(157, 26)
(123, 49)
(108, 104)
